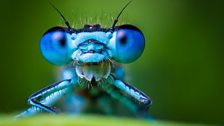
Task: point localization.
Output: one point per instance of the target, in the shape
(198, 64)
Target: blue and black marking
(90, 53)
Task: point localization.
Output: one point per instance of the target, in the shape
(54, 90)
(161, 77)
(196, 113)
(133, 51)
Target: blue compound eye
(130, 43)
(54, 47)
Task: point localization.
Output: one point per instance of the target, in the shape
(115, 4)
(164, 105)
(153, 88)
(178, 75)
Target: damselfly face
(89, 52)
(92, 44)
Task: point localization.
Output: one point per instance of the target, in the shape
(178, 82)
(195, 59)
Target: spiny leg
(28, 112)
(117, 89)
(117, 94)
(133, 92)
(44, 98)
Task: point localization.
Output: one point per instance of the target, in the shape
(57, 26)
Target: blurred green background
(181, 68)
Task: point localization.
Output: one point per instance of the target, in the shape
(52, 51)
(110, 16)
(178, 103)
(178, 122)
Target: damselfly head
(92, 44)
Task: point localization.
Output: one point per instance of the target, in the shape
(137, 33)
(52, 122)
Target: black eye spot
(62, 42)
(123, 38)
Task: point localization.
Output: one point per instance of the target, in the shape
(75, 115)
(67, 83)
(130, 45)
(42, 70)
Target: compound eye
(130, 43)
(54, 47)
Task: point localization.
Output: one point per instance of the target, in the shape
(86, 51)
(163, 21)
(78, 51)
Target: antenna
(116, 20)
(66, 22)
